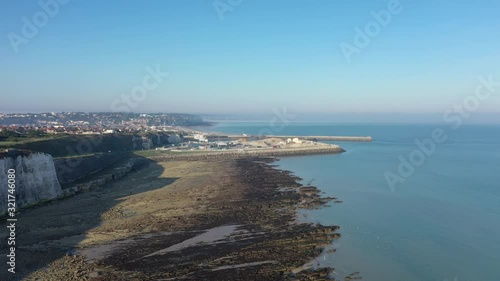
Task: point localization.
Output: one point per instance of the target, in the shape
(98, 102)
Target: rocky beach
(217, 219)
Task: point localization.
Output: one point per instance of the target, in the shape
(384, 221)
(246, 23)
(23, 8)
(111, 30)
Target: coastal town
(160, 132)
(92, 122)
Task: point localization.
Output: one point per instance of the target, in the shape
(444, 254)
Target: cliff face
(72, 169)
(36, 179)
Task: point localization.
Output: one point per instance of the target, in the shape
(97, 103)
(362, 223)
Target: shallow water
(208, 237)
(441, 223)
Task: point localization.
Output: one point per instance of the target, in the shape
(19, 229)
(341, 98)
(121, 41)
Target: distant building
(221, 144)
(200, 137)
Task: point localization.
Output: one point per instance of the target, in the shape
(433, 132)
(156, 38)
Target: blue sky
(258, 56)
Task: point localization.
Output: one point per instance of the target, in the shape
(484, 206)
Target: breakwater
(328, 138)
(215, 137)
(330, 149)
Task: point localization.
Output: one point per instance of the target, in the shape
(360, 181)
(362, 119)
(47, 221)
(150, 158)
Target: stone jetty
(324, 149)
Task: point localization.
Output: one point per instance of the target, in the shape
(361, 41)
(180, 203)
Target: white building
(200, 137)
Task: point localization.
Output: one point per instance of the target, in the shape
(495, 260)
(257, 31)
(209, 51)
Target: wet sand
(226, 219)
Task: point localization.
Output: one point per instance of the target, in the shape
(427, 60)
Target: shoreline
(256, 201)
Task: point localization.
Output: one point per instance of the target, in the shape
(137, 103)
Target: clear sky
(250, 58)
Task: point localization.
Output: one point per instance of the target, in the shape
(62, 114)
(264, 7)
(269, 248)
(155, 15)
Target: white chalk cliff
(36, 179)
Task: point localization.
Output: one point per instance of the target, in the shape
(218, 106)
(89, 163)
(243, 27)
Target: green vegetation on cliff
(72, 145)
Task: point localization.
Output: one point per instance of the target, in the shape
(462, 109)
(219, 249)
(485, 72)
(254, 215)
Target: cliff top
(14, 152)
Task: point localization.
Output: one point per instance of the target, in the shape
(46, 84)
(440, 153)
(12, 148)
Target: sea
(407, 213)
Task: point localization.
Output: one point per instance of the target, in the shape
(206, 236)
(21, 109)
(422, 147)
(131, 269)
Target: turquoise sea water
(442, 223)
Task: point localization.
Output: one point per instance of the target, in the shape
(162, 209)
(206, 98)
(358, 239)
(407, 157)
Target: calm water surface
(442, 223)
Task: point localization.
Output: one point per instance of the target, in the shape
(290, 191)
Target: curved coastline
(252, 198)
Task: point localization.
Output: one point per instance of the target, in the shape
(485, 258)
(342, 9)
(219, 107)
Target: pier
(328, 138)
(311, 138)
(233, 153)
